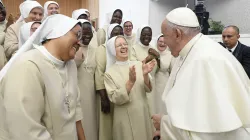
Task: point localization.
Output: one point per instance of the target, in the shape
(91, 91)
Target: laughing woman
(105, 108)
(139, 51)
(102, 32)
(126, 83)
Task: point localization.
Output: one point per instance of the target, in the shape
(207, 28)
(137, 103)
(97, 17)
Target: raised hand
(148, 67)
(153, 54)
(132, 74)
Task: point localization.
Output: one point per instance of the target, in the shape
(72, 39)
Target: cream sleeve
(10, 42)
(100, 67)
(101, 36)
(24, 102)
(117, 93)
(78, 107)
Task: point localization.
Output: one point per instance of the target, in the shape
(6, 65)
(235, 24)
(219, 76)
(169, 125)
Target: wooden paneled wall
(93, 6)
(66, 6)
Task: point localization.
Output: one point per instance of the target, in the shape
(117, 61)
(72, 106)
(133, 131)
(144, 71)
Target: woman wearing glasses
(126, 83)
(128, 32)
(39, 86)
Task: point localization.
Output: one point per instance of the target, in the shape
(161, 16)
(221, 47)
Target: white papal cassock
(207, 95)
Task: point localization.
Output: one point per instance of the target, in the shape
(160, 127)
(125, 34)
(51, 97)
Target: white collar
(164, 52)
(183, 53)
(122, 62)
(3, 22)
(234, 47)
(144, 46)
(128, 36)
(47, 54)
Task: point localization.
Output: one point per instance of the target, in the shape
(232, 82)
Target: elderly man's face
(69, 43)
(230, 37)
(36, 14)
(53, 9)
(170, 38)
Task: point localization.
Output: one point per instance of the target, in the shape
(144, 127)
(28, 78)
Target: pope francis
(207, 95)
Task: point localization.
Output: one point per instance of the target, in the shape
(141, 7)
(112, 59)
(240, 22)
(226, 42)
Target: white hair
(185, 30)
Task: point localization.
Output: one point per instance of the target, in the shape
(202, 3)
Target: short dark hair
(234, 27)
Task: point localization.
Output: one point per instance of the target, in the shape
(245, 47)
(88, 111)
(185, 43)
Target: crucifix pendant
(67, 102)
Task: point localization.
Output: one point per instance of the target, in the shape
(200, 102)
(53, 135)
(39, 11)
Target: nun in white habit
(105, 107)
(139, 50)
(51, 8)
(114, 17)
(84, 14)
(11, 37)
(86, 66)
(26, 7)
(46, 105)
(26, 31)
(113, 30)
(80, 14)
(128, 32)
(126, 83)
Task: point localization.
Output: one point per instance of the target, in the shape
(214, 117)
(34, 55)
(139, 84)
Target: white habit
(36, 107)
(39, 96)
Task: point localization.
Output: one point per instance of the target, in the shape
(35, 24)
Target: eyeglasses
(78, 34)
